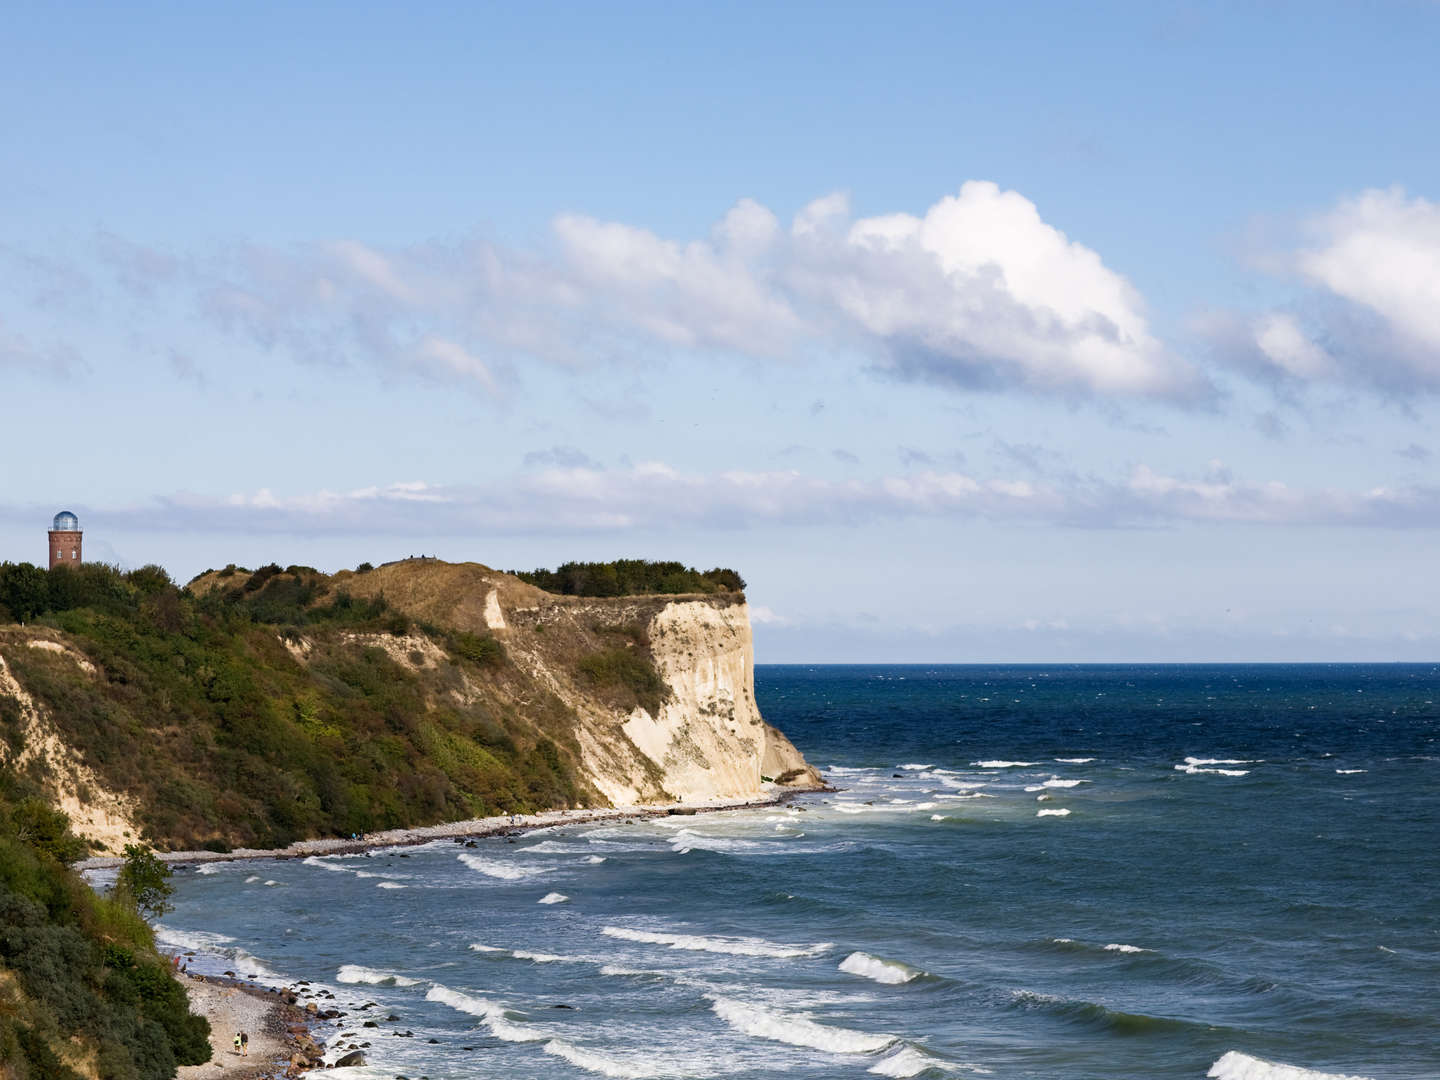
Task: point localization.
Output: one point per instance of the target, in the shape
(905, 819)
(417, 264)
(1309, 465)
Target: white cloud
(655, 496)
(1382, 250)
(1372, 312)
(978, 291)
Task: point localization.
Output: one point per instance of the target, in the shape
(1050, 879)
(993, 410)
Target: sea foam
(882, 971)
(354, 973)
(1003, 764)
(590, 1061)
(553, 898)
(496, 868)
(1234, 1065)
(736, 946)
(1052, 813)
(797, 1030)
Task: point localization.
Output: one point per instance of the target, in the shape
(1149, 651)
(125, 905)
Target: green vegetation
(270, 707)
(82, 989)
(631, 577)
(145, 882)
(628, 674)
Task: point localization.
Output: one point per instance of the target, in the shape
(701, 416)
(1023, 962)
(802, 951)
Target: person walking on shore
(244, 1044)
(237, 1042)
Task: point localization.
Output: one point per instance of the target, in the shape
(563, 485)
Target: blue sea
(1059, 872)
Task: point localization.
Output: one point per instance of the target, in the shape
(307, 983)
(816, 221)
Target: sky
(966, 333)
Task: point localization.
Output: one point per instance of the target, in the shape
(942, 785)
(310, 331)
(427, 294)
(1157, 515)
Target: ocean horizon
(1066, 871)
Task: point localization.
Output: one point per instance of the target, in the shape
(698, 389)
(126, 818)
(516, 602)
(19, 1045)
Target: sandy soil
(230, 1009)
(475, 827)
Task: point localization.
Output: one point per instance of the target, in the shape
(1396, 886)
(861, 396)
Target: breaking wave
(553, 898)
(498, 868)
(736, 946)
(354, 973)
(1234, 1065)
(882, 971)
(797, 1030)
(1003, 764)
(590, 1061)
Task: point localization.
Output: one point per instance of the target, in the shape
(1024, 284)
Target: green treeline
(278, 709)
(81, 984)
(631, 577)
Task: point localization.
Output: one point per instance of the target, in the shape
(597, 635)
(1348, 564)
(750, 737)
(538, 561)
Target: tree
(145, 880)
(24, 589)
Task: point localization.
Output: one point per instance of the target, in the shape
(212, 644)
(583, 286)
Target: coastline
(279, 1030)
(472, 828)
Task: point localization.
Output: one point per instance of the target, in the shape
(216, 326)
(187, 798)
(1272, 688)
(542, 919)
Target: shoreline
(471, 828)
(280, 1032)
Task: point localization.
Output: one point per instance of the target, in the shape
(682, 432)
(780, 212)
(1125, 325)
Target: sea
(1060, 872)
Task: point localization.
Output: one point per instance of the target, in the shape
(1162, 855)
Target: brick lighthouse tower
(65, 537)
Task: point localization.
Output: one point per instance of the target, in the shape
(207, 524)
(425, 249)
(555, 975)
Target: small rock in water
(355, 1058)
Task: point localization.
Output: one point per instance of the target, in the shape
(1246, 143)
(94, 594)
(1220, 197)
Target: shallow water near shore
(1047, 872)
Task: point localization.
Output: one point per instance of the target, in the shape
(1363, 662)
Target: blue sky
(1053, 332)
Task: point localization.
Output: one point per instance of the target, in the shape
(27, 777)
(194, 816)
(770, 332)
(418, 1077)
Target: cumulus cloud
(979, 291)
(653, 496)
(1372, 310)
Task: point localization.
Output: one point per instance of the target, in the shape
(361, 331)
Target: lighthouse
(65, 537)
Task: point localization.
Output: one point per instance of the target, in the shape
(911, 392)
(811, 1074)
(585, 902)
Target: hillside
(257, 708)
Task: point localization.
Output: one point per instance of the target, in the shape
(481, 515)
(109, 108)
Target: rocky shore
(475, 827)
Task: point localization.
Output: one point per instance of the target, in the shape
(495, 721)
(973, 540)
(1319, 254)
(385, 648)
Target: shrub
(629, 671)
(477, 648)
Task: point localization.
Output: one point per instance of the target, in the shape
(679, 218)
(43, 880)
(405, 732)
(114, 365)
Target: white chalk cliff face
(708, 740)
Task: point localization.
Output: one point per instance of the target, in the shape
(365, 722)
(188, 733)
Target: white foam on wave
(1052, 813)
(326, 864)
(485, 948)
(1192, 767)
(1056, 782)
(540, 957)
(199, 940)
(736, 946)
(354, 973)
(590, 1061)
(1233, 1065)
(882, 971)
(911, 1061)
(550, 847)
(497, 868)
(553, 898)
(1125, 948)
(797, 1030)
(1221, 761)
(252, 879)
(906, 1062)
(1003, 764)
(492, 1013)
(593, 859)
(937, 817)
(272, 883)
(1075, 760)
(917, 768)
(391, 885)
(1350, 772)
(209, 868)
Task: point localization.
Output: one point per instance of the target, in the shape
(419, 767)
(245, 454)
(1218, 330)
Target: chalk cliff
(259, 708)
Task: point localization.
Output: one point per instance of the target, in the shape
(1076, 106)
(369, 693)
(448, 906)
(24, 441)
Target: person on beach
(244, 1044)
(237, 1042)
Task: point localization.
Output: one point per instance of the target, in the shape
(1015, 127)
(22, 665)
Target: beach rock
(355, 1058)
(392, 1016)
(370, 1023)
(311, 1008)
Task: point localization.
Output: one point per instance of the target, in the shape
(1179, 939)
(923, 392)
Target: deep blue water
(1050, 872)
